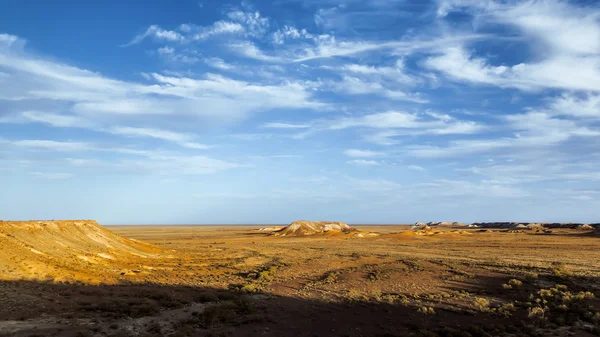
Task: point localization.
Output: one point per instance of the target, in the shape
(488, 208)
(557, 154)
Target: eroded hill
(65, 250)
(303, 228)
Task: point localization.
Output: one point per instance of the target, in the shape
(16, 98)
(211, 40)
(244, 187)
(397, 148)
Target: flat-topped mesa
(303, 228)
(47, 223)
(447, 224)
(531, 225)
(64, 247)
(534, 225)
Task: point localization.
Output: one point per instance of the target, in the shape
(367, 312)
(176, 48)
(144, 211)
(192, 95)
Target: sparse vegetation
(481, 304)
(561, 306)
(426, 310)
(512, 284)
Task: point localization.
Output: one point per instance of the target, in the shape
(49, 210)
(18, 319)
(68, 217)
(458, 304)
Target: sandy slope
(34, 249)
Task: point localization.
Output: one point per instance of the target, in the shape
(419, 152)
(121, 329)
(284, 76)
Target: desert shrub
(354, 295)
(413, 264)
(376, 275)
(481, 304)
(506, 309)
(560, 306)
(330, 277)
(512, 284)
(356, 255)
(515, 283)
(388, 298)
(250, 288)
(559, 269)
(531, 276)
(426, 310)
(536, 313)
(264, 276)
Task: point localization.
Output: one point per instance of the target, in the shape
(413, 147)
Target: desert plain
(78, 278)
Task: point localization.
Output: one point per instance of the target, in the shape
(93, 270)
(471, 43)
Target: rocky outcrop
(531, 225)
(304, 228)
(446, 224)
(420, 226)
(585, 227)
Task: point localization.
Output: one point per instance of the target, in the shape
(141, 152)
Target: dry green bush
(481, 304)
(426, 310)
(560, 306)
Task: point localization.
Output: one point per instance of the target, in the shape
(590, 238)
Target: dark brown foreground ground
(237, 281)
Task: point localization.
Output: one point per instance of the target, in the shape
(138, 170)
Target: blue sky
(269, 111)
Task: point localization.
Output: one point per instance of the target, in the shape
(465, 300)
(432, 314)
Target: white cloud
(357, 86)
(396, 73)
(52, 176)
(8, 39)
(373, 185)
(180, 138)
(250, 50)
(166, 50)
(587, 106)
(390, 119)
(219, 63)
(416, 168)
(286, 126)
(363, 162)
(241, 23)
(218, 28)
(459, 188)
(288, 32)
(153, 133)
(52, 145)
(197, 146)
(56, 119)
(564, 28)
(389, 125)
(126, 159)
(157, 33)
(533, 130)
(255, 24)
(562, 72)
(85, 98)
(362, 153)
(565, 40)
(326, 46)
(161, 163)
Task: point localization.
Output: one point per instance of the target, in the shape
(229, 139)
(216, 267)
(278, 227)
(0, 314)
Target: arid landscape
(77, 278)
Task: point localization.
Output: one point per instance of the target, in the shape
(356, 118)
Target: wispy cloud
(180, 138)
(52, 176)
(363, 162)
(559, 30)
(250, 50)
(362, 153)
(275, 125)
(239, 22)
(51, 145)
